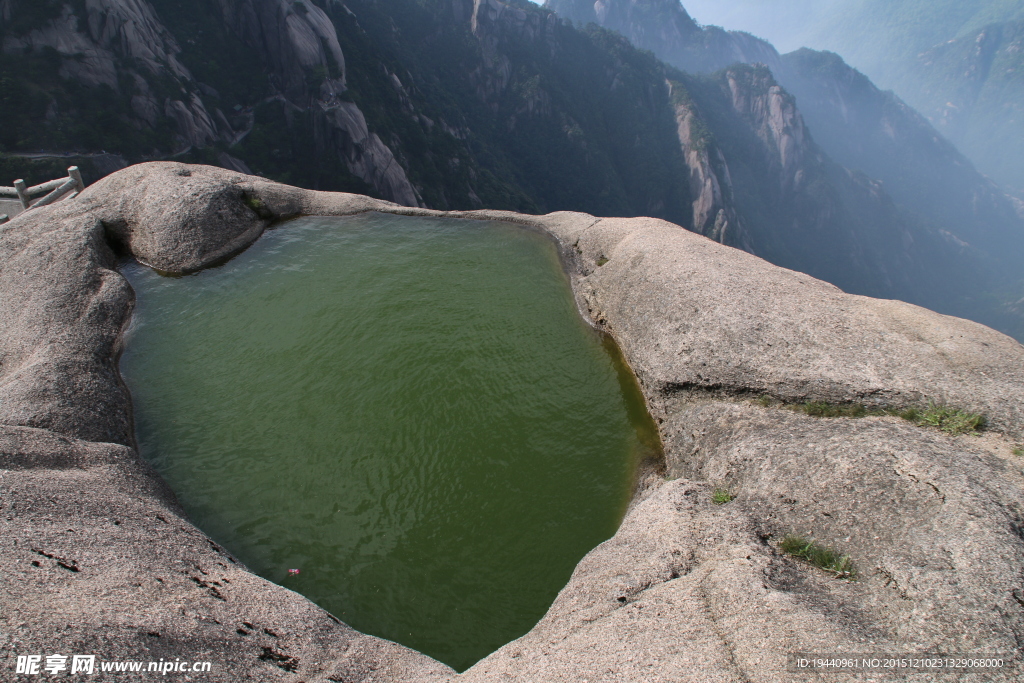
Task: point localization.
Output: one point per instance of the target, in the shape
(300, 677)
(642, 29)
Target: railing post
(19, 186)
(76, 175)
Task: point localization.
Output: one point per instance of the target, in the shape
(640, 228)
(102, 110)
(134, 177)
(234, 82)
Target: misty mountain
(876, 132)
(785, 199)
(972, 89)
(858, 125)
(867, 33)
(468, 103)
(960, 63)
(883, 37)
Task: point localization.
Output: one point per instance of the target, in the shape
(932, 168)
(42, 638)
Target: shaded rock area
(98, 557)
(124, 46)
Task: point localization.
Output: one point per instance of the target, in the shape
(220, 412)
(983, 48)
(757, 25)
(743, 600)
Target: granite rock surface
(97, 556)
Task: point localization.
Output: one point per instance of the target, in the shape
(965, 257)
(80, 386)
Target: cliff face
(293, 39)
(710, 183)
(123, 46)
(93, 41)
(566, 118)
(500, 27)
(772, 115)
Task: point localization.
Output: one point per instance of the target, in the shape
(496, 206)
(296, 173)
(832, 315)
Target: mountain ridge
(868, 131)
(471, 103)
(958, 63)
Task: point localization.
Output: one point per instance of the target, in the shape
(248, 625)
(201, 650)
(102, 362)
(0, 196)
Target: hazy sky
(782, 22)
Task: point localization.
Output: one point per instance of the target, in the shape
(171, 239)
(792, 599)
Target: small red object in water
(293, 571)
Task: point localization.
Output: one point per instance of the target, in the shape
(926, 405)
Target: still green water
(409, 411)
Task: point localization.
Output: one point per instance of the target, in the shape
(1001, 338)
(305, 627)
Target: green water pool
(409, 411)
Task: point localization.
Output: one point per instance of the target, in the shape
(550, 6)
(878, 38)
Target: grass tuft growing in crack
(257, 205)
(953, 421)
(820, 556)
(1018, 451)
(721, 497)
(822, 409)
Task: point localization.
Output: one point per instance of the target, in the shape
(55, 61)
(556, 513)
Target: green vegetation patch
(721, 497)
(1018, 451)
(820, 556)
(823, 409)
(257, 205)
(953, 421)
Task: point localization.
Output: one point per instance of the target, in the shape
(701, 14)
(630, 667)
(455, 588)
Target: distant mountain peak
(665, 28)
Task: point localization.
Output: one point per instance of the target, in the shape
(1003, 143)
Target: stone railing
(53, 191)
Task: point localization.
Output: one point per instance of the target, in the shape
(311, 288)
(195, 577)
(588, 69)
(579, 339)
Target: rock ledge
(99, 559)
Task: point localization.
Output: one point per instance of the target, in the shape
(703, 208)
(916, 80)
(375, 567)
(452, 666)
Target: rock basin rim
(685, 590)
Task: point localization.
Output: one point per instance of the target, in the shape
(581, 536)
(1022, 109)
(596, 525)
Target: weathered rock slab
(98, 557)
(694, 318)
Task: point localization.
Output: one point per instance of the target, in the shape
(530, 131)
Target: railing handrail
(46, 187)
(53, 189)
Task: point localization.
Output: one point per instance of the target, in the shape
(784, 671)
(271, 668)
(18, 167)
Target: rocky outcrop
(713, 216)
(493, 16)
(496, 26)
(687, 590)
(345, 130)
(772, 115)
